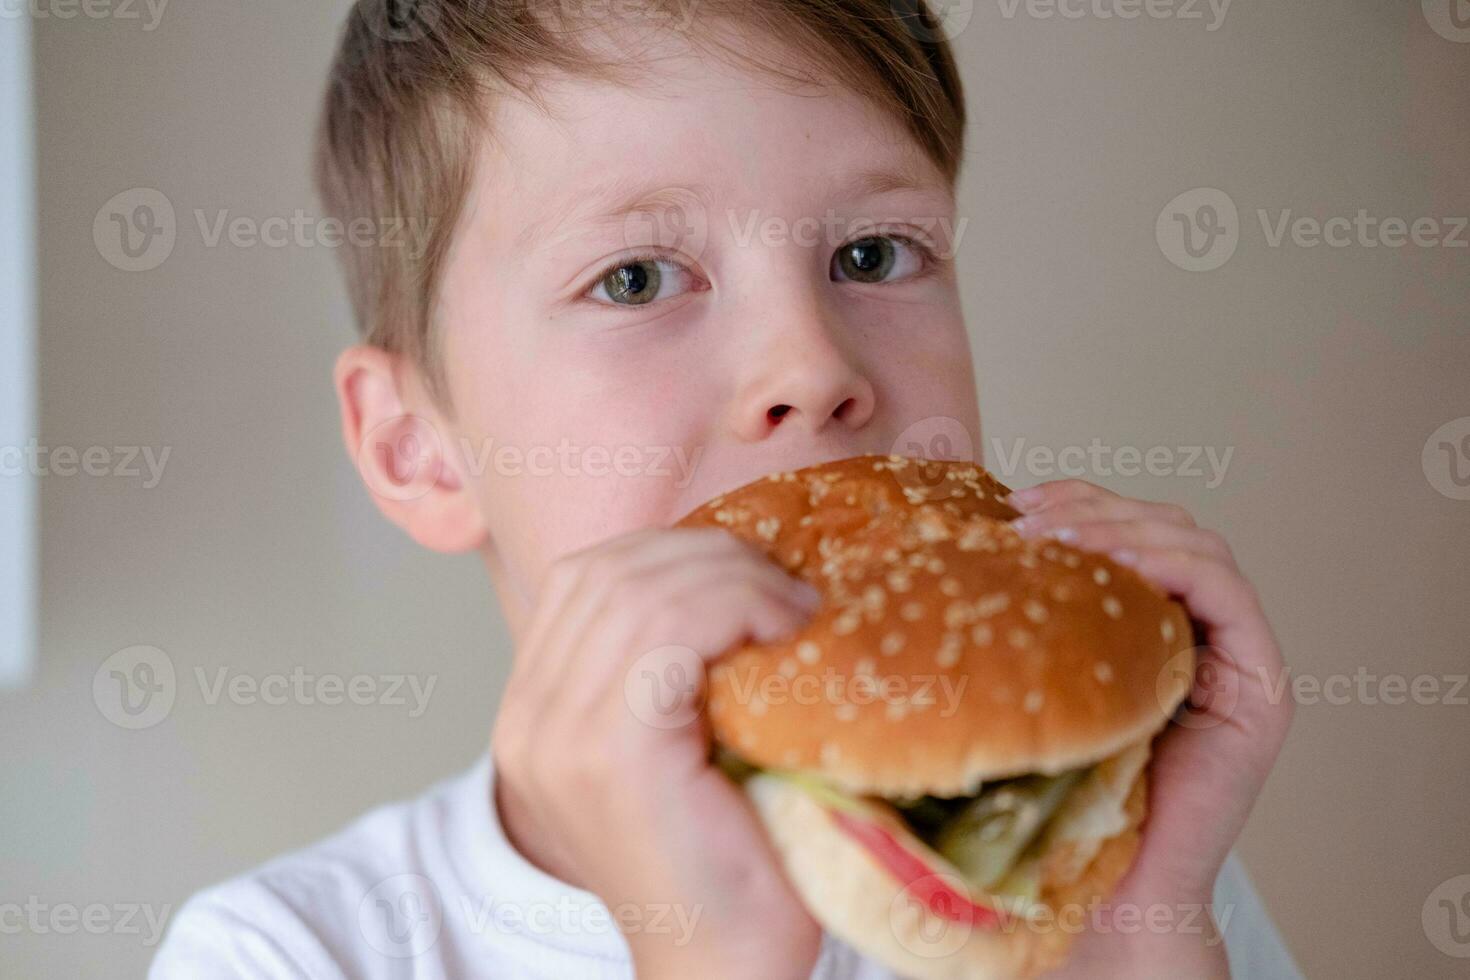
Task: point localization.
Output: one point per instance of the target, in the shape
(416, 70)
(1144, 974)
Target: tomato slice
(922, 881)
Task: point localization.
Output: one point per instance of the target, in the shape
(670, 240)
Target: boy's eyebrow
(616, 199)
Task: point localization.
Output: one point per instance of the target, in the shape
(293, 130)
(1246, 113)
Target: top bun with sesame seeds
(949, 651)
(954, 748)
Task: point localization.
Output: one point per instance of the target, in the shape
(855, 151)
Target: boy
(595, 276)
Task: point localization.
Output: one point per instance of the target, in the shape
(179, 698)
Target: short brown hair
(409, 93)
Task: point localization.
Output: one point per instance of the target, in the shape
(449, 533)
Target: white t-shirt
(431, 889)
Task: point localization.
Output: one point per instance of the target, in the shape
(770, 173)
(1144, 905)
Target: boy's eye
(638, 282)
(877, 259)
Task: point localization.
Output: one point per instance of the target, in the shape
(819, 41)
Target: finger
(706, 608)
(1136, 535)
(575, 589)
(705, 616)
(1113, 508)
(1053, 492)
(1217, 595)
(611, 601)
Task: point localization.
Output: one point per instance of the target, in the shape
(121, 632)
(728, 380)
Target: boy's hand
(627, 807)
(1208, 765)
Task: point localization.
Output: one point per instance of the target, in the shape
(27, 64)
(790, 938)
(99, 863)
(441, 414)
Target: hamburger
(953, 753)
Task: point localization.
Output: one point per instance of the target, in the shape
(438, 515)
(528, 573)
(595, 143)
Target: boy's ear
(404, 451)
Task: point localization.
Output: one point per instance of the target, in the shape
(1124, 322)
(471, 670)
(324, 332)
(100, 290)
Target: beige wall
(1323, 369)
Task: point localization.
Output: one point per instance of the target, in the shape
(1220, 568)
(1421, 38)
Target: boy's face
(770, 304)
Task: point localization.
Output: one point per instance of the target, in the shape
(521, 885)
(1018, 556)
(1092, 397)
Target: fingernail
(1021, 499)
(1124, 557)
(1025, 525)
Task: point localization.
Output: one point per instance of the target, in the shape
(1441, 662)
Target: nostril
(777, 413)
(841, 410)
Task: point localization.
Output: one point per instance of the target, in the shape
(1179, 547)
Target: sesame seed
(1032, 703)
(982, 635)
(767, 528)
(896, 710)
(830, 753)
(787, 667)
(757, 705)
(1018, 638)
(1112, 606)
(912, 611)
(1100, 575)
(949, 650)
(845, 712)
(1102, 671)
(865, 666)
(808, 652)
(1035, 611)
(935, 566)
(892, 643)
(1166, 629)
(1071, 559)
(989, 605)
(846, 622)
(950, 586)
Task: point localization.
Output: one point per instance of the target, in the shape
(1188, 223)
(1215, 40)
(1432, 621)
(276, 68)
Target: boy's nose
(802, 378)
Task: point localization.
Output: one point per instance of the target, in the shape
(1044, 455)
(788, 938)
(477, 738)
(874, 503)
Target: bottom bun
(856, 899)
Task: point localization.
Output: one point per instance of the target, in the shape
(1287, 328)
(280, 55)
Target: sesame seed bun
(948, 651)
